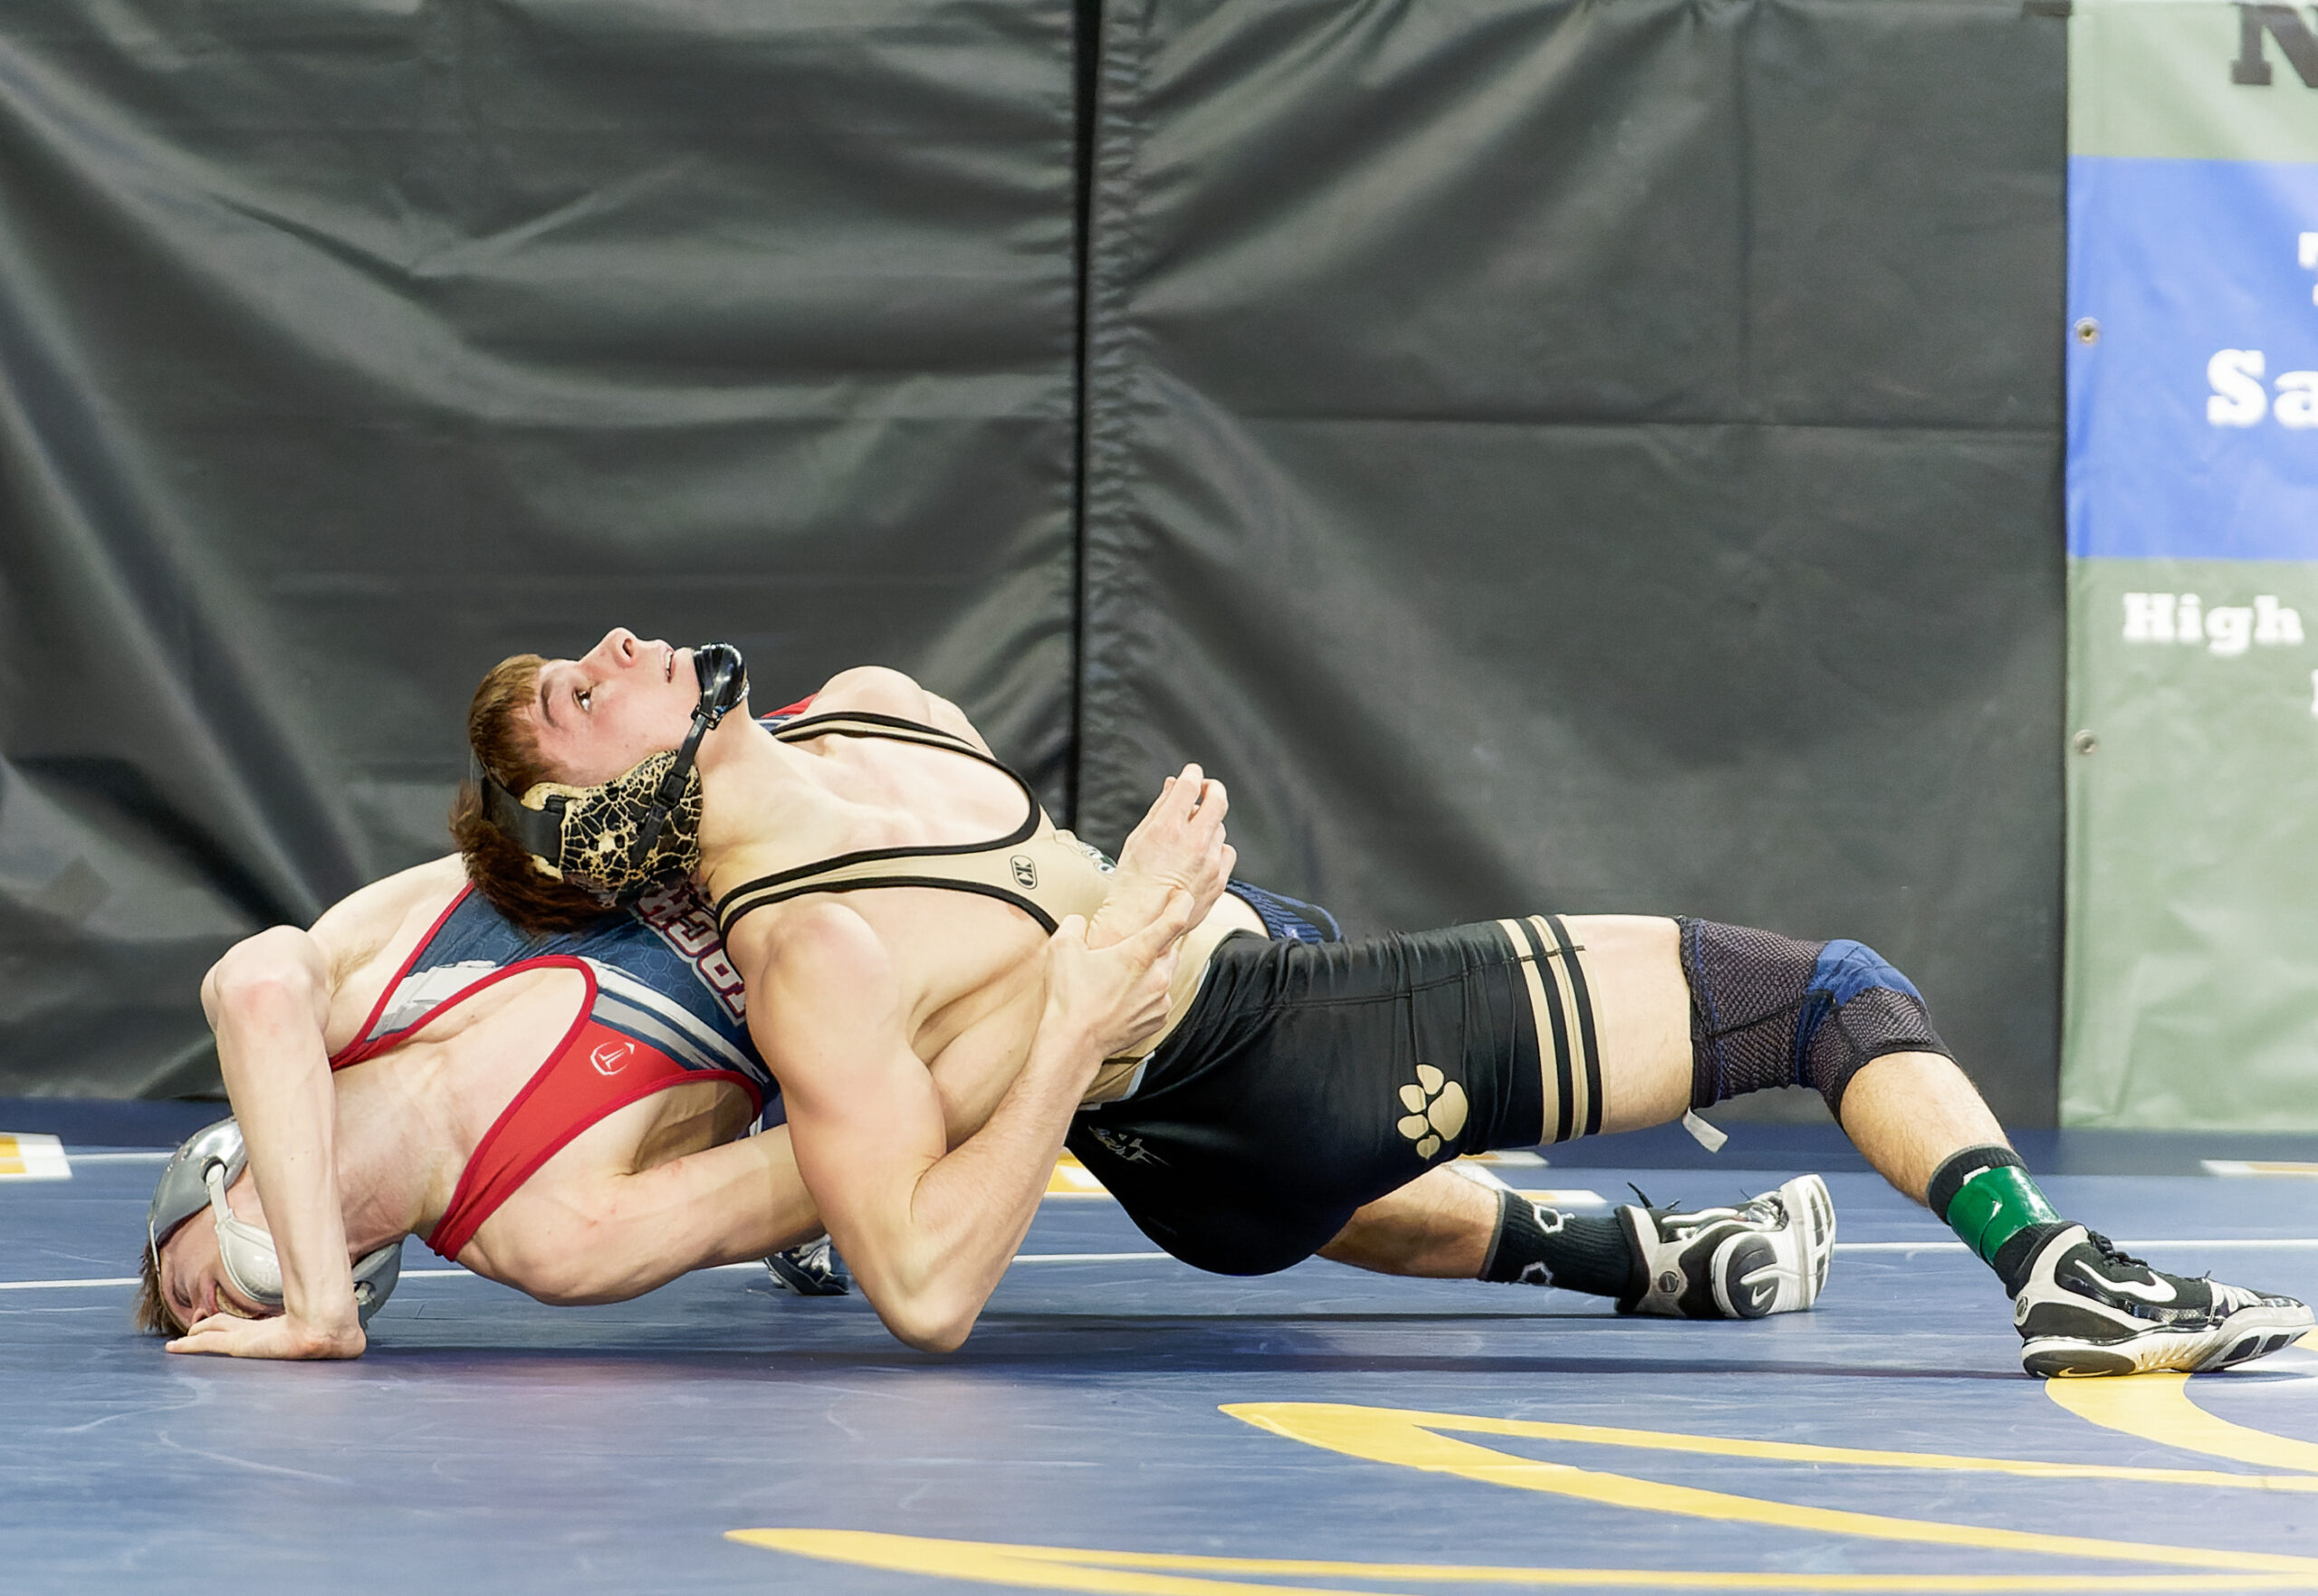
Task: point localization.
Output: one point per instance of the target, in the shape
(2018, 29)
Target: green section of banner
(2191, 994)
(2154, 78)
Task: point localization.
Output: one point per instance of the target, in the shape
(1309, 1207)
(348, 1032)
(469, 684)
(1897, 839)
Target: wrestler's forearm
(268, 1001)
(970, 1209)
(724, 1205)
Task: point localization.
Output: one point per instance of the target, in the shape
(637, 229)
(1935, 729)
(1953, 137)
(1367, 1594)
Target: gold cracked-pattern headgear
(601, 824)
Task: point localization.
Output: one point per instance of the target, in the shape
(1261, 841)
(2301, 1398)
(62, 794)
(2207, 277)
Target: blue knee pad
(1769, 1010)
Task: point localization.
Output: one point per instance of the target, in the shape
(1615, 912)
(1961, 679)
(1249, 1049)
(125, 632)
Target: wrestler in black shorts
(1309, 1078)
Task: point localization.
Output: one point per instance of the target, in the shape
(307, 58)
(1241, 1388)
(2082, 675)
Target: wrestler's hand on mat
(1117, 996)
(1178, 846)
(230, 1336)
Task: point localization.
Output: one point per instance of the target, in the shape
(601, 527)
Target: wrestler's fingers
(1161, 972)
(1214, 803)
(1073, 928)
(1210, 814)
(1192, 780)
(205, 1335)
(1167, 805)
(1174, 919)
(1160, 980)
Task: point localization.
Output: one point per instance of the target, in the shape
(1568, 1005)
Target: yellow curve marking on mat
(2156, 1408)
(1710, 1446)
(1157, 1574)
(1406, 1437)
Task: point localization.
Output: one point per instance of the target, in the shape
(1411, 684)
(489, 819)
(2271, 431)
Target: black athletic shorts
(1309, 1078)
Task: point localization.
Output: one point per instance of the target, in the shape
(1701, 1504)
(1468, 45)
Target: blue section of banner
(2193, 415)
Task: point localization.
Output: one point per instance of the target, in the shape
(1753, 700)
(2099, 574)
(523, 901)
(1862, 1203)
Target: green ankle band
(1994, 1206)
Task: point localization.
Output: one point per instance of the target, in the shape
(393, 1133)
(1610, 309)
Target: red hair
(506, 746)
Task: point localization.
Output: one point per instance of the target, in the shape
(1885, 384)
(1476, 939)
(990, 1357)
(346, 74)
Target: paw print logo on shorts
(1436, 1110)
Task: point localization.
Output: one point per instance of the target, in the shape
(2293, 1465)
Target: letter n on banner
(2192, 964)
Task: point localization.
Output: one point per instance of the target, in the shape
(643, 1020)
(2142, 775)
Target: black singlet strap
(782, 885)
(727, 918)
(870, 724)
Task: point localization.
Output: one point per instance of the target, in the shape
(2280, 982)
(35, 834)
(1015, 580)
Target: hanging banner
(2192, 962)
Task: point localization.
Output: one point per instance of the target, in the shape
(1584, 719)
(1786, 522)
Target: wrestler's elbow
(922, 1297)
(571, 1281)
(558, 1289)
(935, 1319)
(276, 971)
(574, 1259)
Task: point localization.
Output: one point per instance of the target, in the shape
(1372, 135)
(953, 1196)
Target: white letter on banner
(2273, 623)
(2229, 628)
(2237, 399)
(2149, 617)
(2297, 403)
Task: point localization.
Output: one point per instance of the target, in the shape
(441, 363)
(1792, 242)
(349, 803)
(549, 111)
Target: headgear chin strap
(640, 828)
(196, 1176)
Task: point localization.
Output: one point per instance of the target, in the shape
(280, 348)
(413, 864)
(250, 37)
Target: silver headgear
(196, 1176)
(640, 829)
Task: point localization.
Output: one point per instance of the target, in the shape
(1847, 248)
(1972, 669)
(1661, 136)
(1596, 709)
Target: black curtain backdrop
(346, 349)
(1596, 457)
(1575, 455)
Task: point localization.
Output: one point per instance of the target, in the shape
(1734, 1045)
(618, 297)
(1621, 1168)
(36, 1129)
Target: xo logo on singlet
(1436, 1110)
(611, 1058)
(1025, 871)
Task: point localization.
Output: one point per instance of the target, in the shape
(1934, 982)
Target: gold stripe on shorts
(1545, 1014)
(1584, 1115)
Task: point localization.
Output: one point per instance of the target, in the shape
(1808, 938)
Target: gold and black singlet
(1044, 872)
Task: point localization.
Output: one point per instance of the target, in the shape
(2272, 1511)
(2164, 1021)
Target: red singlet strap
(595, 1072)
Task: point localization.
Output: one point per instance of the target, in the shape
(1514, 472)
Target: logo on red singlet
(684, 924)
(610, 1059)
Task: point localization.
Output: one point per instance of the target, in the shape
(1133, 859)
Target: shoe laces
(2222, 1299)
(2111, 1252)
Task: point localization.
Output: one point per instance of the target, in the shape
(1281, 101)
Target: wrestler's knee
(1772, 1010)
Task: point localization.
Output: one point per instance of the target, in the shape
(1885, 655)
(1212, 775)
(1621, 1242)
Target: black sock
(1540, 1246)
(2012, 1259)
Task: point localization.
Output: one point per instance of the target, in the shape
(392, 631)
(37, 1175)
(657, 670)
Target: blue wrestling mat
(1122, 1424)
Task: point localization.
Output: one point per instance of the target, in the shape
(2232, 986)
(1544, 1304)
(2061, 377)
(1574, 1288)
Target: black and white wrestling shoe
(813, 1269)
(1768, 1255)
(2089, 1309)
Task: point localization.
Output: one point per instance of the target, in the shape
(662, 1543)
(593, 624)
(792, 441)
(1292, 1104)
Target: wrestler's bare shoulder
(880, 690)
(365, 923)
(365, 937)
